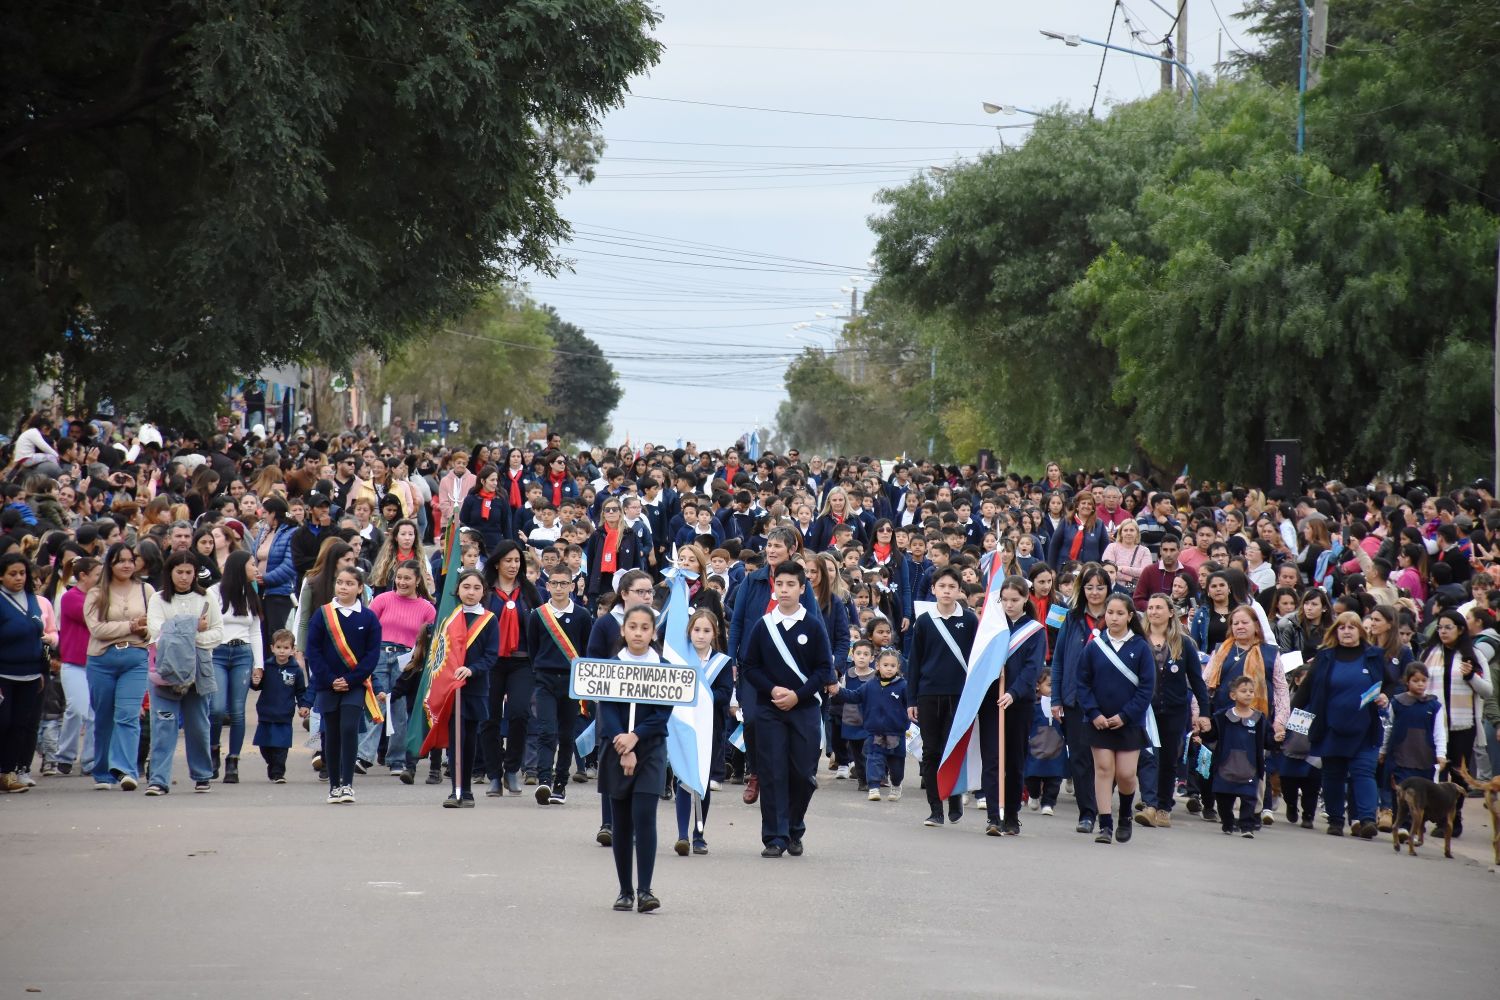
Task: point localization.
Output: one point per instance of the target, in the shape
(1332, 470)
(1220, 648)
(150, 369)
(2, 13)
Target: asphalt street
(262, 890)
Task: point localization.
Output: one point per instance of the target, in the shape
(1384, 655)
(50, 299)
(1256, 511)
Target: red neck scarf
(402, 557)
(1077, 545)
(611, 548)
(510, 619)
(487, 499)
(882, 552)
(515, 486)
(557, 479)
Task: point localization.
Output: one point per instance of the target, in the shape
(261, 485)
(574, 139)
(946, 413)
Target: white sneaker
(874, 795)
(1035, 804)
(894, 795)
(346, 794)
(713, 786)
(842, 773)
(1267, 817)
(1046, 810)
(127, 783)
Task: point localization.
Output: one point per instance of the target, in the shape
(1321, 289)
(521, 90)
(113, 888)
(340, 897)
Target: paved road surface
(259, 890)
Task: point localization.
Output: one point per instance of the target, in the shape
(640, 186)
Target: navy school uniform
(480, 657)
(633, 797)
(882, 704)
(494, 525)
(1239, 764)
(1044, 767)
(629, 555)
(786, 742)
(1411, 743)
(283, 688)
(342, 711)
(820, 536)
(1104, 691)
(556, 709)
(1023, 667)
(935, 680)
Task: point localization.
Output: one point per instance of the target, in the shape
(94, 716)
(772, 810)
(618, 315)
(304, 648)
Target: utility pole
(1166, 67)
(1182, 44)
(1319, 43)
(1495, 404)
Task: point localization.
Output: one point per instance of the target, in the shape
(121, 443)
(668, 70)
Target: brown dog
(1491, 790)
(1420, 800)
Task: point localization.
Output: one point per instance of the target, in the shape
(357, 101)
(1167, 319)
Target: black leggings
(1302, 792)
(20, 713)
(340, 738)
(635, 821)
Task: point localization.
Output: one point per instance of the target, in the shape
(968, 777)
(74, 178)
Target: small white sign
(644, 683)
(1292, 661)
(1300, 721)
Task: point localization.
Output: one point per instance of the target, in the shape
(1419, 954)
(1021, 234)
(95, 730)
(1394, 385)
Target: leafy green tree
(192, 190)
(585, 389)
(489, 368)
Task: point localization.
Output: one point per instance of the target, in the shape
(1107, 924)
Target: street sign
(643, 683)
(428, 426)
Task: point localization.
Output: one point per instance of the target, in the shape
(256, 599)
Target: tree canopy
(1165, 288)
(584, 388)
(195, 190)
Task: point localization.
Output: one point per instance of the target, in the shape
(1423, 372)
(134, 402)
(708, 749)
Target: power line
(1104, 54)
(820, 114)
(1232, 40)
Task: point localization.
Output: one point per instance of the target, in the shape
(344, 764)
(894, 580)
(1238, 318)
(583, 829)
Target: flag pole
(1000, 756)
(458, 738)
(697, 814)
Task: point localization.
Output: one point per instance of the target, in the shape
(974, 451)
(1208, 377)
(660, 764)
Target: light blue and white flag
(737, 738)
(585, 742)
(690, 730)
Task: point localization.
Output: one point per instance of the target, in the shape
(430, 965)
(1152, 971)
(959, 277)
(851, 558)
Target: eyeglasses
(640, 592)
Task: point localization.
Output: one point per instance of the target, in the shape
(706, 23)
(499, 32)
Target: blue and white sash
(1129, 675)
(786, 657)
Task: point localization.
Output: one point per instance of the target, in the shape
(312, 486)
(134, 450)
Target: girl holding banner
(470, 648)
(1116, 679)
(633, 767)
(343, 648)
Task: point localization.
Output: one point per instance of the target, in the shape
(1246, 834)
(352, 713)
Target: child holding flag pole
(457, 697)
(555, 633)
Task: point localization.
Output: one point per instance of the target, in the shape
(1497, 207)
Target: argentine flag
(690, 730)
(958, 770)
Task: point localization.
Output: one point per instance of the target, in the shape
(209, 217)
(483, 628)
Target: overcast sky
(711, 231)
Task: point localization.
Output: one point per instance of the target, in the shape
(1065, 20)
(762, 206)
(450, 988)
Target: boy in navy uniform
(1239, 764)
(556, 634)
(283, 693)
(938, 668)
(786, 659)
(1416, 736)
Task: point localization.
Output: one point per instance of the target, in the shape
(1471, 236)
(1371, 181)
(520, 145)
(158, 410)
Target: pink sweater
(402, 618)
(73, 634)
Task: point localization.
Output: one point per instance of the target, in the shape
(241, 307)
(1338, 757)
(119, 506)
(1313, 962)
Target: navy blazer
(480, 657)
(1103, 690)
(1095, 541)
(325, 664)
(820, 536)
(650, 777)
(493, 529)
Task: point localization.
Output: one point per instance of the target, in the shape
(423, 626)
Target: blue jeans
(1493, 746)
(384, 678)
(232, 666)
(78, 717)
(167, 710)
(1358, 771)
(117, 683)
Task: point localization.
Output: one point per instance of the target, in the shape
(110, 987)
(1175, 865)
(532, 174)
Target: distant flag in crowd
(691, 727)
(754, 445)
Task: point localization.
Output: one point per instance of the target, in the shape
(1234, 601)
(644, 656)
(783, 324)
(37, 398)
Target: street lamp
(1007, 109)
(1075, 40)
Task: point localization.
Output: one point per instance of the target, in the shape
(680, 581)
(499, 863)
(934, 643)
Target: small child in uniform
(283, 693)
(1046, 756)
(1300, 780)
(1243, 739)
(883, 707)
(1416, 735)
(851, 722)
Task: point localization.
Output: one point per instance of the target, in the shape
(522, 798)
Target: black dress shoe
(1085, 825)
(1104, 836)
(1011, 829)
(992, 829)
(646, 901)
(408, 776)
(625, 902)
(772, 851)
(466, 801)
(794, 848)
(1123, 831)
(605, 837)
(451, 802)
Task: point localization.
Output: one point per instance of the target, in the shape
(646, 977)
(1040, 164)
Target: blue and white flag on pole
(690, 730)
(584, 744)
